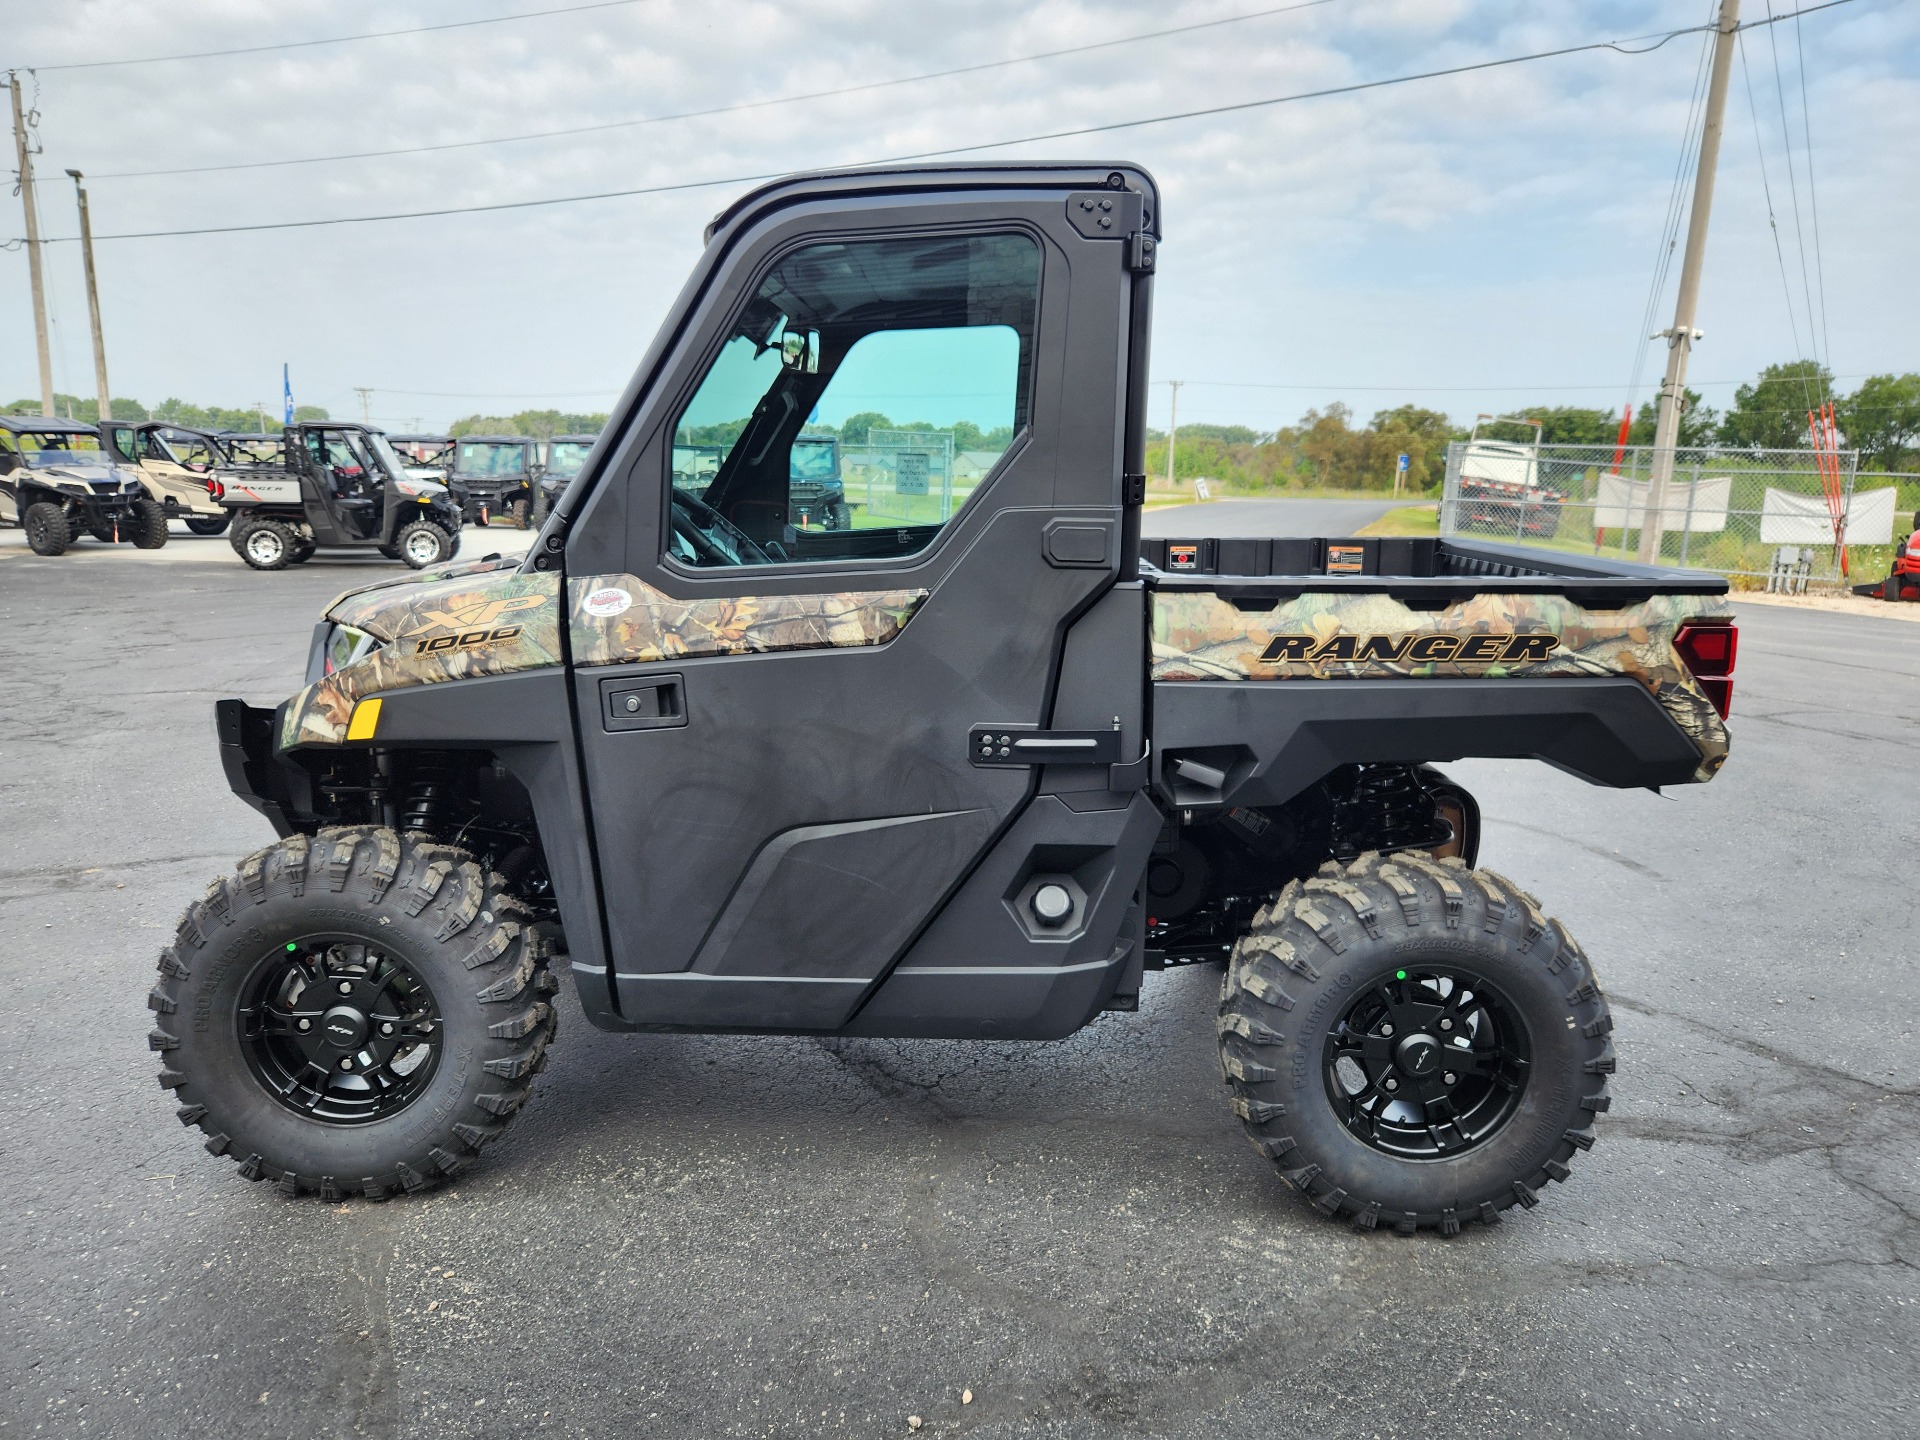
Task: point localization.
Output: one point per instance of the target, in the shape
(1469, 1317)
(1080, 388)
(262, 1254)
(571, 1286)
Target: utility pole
(25, 155)
(1173, 428)
(1680, 338)
(93, 300)
(365, 392)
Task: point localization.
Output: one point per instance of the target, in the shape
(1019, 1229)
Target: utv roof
(420, 439)
(962, 175)
(499, 439)
(571, 439)
(47, 425)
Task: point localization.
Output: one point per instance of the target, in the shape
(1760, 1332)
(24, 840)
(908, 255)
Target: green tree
(1574, 425)
(1882, 420)
(1771, 413)
(1420, 435)
(853, 430)
(1700, 423)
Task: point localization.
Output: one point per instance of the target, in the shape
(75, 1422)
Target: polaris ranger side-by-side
(57, 483)
(337, 485)
(565, 456)
(975, 778)
(495, 476)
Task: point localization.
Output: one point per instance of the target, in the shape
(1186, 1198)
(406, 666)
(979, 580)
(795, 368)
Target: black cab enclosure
(58, 481)
(971, 766)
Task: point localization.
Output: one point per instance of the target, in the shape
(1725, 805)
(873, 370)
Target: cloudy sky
(1464, 243)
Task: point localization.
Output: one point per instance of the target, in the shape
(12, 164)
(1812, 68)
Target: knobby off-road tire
(149, 525)
(518, 511)
(356, 922)
(1430, 952)
(265, 544)
(48, 532)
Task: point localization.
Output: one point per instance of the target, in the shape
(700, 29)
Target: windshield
(567, 456)
(484, 459)
(389, 461)
(813, 459)
(61, 447)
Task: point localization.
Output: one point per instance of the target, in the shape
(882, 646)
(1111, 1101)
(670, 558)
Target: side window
(866, 391)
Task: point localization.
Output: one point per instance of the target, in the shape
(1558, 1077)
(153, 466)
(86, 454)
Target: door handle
(653, 702)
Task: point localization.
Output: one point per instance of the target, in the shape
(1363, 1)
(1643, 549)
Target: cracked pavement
(731, 1236)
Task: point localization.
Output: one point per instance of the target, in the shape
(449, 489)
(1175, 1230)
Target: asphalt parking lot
(725, 1236)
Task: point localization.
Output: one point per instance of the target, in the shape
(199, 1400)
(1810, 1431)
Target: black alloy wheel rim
(339, 1030)
(1427, 1063)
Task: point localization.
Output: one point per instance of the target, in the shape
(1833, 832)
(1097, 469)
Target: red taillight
(1708, 647)
(215, 489)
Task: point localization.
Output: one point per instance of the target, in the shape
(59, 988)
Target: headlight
(410, 487)
(75, 486)
(345, 646)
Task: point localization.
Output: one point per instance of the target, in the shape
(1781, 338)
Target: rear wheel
(1412, 1043)
(422, 543)
(354, 1014)
(1892, 590)
(265, 544)
(208, 524)
(149, 526)
(48, 532)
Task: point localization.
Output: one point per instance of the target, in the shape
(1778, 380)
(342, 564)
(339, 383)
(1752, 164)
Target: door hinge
(1133, 489)
(1141, 248)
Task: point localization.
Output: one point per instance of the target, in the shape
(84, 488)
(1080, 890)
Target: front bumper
(255, 772)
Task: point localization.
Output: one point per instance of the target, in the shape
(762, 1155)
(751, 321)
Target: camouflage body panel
(486, 618)
(472, 620)
(621, 620)
(1198, 635)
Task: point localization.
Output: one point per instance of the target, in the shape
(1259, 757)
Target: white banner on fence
(1791, 519)
(1699, 506)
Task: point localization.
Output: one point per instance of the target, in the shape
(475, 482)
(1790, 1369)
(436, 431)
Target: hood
(362, 608)
(453, 624)
(89, 475)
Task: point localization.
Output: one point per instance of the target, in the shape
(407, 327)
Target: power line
(721, 109)
(1799, 236)
(1766, 189)
(338, 39)
(1620, 46)
(1813, 195)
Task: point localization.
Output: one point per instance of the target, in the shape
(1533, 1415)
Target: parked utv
(495, 476)
(818, 494)
(427, 457)
(57, 483)
(176, 465)
(969, 779)
(338, 485)
(565, 455)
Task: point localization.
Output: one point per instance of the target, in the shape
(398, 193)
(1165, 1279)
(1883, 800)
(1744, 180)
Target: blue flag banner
(286, 391)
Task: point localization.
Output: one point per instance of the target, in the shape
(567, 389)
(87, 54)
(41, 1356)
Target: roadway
(733, 1236)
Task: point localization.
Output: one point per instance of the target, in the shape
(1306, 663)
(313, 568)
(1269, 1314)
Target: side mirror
(800, 350)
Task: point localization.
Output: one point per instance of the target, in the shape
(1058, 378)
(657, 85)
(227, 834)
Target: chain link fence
(1767, 514)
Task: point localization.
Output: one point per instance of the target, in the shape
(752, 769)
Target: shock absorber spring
(429, 792)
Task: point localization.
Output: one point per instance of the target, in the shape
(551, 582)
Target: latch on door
(1009, 745)
(654, 702)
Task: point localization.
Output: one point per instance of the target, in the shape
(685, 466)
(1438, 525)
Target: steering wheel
(714, 539)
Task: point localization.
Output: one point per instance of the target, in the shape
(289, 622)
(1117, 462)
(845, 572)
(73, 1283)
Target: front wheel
(354, 1014)
(422, 543)
(1412, 1043)
(518, 511)
(208, 524)
(48, 530)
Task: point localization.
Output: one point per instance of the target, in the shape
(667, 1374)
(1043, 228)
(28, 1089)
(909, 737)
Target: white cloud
(1485, 230)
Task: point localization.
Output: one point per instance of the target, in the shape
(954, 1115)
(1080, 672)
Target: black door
(781, 721)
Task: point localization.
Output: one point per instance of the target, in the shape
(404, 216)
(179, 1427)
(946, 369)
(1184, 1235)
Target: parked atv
(342, 486)
(565, 455)
(495, 475)
(972, 779)
(176, 465)
(58, 483)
